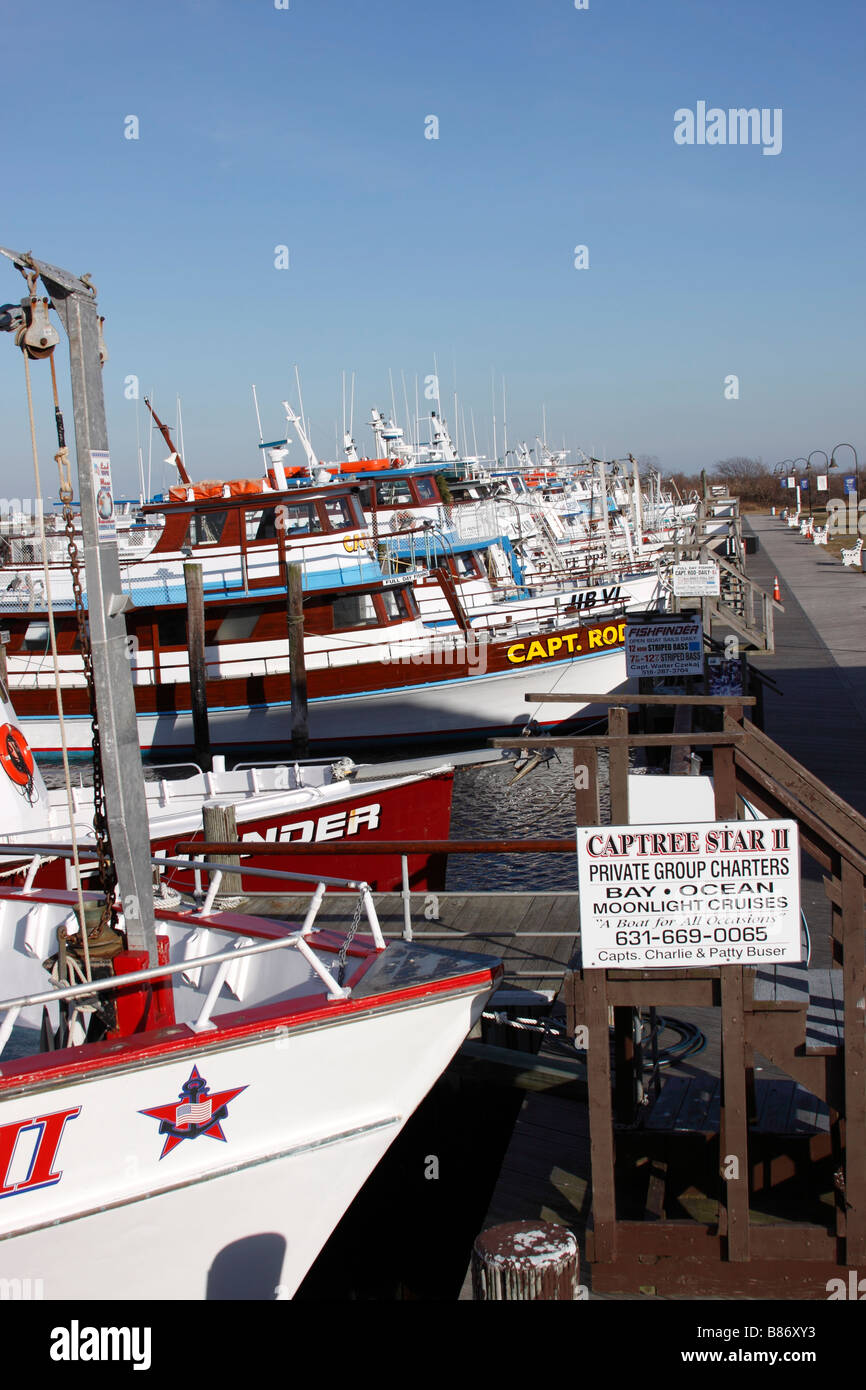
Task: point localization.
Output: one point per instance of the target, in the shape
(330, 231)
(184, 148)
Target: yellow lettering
(512, 652)
(610, 635)
(595, 638)
(622, 632)
(553, 645)
(535, 649)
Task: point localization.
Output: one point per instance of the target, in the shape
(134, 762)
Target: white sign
(821, 482)
(693, 580)
(674, 647)
(101, 464)
(692, 895)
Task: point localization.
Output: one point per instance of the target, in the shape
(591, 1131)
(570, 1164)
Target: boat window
(299, 519)
(394, 493)
(206, 528)
(338, 513)
(240, 625)
(464, 564)
(426, 490)
(395, 604)
(355, 610)
(171, 629)
(261, 525)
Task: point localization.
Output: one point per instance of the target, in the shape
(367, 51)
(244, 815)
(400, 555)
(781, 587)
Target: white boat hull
(241, 1219)
(478, 705)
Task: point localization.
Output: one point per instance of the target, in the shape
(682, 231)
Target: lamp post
(794, 463)
(856, 479)
(809, 460)
(781, 472)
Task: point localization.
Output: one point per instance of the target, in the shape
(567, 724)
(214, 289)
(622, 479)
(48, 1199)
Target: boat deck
(533, 934)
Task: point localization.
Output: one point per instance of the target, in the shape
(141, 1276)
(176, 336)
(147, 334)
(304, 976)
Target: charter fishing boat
(376, 675)
(298, 1054)
(131, 1033)
(310, 802)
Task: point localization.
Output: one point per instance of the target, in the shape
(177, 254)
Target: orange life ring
(15, 756)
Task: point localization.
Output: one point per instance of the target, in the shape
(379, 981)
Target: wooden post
(854, 985)
(617, 725)
(220, 824)
(297, 665)
(525, 1260)
(586, 808)
(192, 578)
(627, 1076)
(737, 1066)
(4, 672)
(600, 1116)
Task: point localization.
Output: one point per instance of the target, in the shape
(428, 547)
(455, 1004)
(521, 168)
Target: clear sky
(261, 127)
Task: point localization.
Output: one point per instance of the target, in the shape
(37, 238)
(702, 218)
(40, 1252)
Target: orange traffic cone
(777, 593)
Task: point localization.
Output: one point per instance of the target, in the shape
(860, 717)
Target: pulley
(37, 337)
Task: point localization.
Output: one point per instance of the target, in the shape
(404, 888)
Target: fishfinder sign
(674, 896)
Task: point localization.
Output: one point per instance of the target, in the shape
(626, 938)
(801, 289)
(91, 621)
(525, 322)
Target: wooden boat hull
(455, 695)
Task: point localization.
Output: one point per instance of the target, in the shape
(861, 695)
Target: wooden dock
(819, 716)
(533, 934)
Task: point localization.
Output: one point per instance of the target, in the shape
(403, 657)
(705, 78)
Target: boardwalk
(820, 658)
(819, 715)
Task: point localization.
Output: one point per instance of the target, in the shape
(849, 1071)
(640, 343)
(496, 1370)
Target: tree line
(759, 485)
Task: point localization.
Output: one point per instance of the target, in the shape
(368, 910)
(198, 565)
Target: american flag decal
(195, 1112)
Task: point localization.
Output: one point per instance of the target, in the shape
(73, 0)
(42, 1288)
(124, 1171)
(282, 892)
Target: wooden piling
(220, 823)
(297, 665)
(525, 1261)
(192, 578)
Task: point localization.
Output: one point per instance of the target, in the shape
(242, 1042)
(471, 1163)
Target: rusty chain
(107, 872)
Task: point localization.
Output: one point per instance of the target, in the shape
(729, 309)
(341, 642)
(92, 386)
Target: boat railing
(10, 1009)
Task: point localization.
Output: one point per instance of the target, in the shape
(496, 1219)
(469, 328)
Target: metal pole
(602, 487)
(297, 665)
(123, 779)
(638, 507)
(193, 580)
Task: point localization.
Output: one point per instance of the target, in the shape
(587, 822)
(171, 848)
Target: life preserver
(15, 756)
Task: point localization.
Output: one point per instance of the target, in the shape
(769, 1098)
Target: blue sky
(304, 127)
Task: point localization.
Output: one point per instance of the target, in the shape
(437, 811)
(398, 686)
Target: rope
(57, 686)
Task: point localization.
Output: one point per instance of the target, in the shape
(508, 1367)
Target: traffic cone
(777, 592)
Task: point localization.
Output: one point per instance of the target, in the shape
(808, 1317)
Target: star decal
(194, 1113)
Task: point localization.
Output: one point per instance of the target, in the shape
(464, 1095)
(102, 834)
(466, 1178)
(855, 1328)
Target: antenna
(141, 491)
(504, 423)
(393, 402)
(301, 401)
(258, 416)
(149, 458)
(408, 416)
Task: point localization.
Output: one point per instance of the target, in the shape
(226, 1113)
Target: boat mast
(175, 456)
(122, 776)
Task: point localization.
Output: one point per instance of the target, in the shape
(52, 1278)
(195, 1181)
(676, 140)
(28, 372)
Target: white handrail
(91, 987)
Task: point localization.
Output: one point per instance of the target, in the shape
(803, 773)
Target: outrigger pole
(123, 778)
